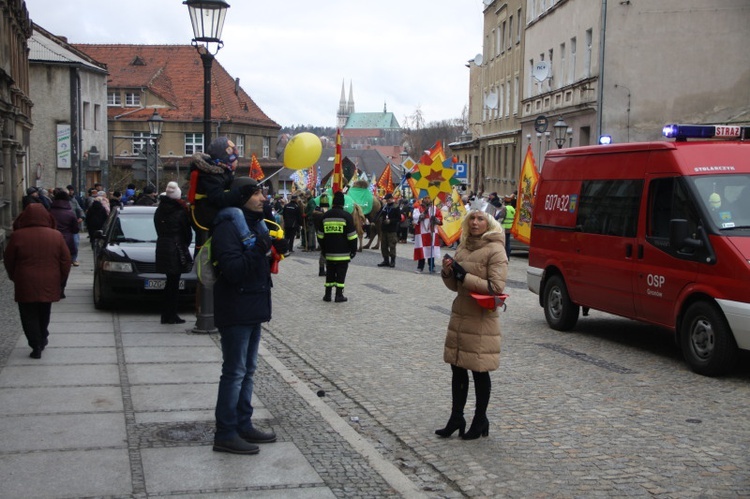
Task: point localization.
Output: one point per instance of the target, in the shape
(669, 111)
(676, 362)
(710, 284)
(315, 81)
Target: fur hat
(338, 199)
(388, 196)
(173, 190)
(222, 150)
(31, 190)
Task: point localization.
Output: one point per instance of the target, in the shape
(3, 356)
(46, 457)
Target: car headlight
(117, 267)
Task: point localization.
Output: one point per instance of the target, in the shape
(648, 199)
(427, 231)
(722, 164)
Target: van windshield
(726, 199)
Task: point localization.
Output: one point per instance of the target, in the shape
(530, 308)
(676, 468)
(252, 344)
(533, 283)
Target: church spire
(350, 106)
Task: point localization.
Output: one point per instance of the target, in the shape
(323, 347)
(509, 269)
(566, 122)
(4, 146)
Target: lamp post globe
(561, 129)
(207, 18)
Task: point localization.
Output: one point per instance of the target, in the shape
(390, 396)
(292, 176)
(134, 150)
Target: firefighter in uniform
(507, 222)
(338, 243)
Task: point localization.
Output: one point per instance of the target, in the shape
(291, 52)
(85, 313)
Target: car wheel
(99, 300)
(560, 312)
(706, 340)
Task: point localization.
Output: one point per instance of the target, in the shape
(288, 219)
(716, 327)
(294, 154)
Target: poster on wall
(63, 146)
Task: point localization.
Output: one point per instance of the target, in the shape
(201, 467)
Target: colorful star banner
(433, 176)
(256, 171)
(338, 167)
(312, 177)
(454, 212)
(527, 193)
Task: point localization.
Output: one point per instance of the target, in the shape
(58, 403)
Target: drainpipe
(600, 88)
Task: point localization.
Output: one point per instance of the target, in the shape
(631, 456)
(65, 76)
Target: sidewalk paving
(120, 405)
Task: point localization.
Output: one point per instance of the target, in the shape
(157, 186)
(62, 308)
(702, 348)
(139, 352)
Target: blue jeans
(239, 348)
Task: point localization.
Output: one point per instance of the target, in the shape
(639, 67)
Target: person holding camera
(472, 342)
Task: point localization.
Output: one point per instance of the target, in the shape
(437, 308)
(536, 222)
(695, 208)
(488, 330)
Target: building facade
(15, 111)
(619, 68)
(69, 90)
(491, 147)
(168, 80)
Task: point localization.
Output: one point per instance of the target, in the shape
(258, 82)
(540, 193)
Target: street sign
(461, 173)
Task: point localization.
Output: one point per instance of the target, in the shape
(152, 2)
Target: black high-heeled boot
(456, 422)
(459, 392)
(480, 426)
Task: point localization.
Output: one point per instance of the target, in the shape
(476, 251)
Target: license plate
(160, 284)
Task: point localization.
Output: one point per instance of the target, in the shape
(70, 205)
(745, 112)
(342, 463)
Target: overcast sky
(292, 56)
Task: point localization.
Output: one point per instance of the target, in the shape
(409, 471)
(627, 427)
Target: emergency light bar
(684, 132)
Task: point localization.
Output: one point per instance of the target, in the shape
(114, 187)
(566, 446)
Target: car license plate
(160, 284)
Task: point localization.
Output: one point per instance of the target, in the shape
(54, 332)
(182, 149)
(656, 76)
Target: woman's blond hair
(492, 224)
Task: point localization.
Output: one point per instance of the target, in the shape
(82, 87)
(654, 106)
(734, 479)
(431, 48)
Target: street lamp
(207, 18)
(561, 129)
(155, 124)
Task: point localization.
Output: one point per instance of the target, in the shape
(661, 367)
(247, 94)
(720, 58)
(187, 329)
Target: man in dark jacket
(242, 301)
(338, 243)
(390, 217)
(292, 215)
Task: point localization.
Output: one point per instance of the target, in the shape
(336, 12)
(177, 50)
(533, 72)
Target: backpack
(205, 267)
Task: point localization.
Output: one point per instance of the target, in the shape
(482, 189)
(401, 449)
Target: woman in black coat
(173, 240)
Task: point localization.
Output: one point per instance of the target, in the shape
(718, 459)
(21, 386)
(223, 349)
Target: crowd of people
(235, 213)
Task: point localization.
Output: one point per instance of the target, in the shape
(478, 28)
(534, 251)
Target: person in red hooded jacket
(38, 261)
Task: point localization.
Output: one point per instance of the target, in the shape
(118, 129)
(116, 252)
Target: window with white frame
(510, 32)
(507, 99)
(500, 100)
(86, 115)
(193, 143)
(114, 98)
(589, 49)
(266, 147)
(516, 97)
(518, 26)
(239, 141)
(97, 116)
(132, 99)
(563, 67)
(139, 141)
(572, 63)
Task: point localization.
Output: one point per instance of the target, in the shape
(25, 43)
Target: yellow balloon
(302, 151)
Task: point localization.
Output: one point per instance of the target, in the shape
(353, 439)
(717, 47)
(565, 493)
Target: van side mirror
(679, 235)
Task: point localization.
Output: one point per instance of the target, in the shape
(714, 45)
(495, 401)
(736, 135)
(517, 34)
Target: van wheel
(560, 312)
(706, 340)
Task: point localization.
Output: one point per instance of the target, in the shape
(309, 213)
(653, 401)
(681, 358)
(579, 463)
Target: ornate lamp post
(207, 18)
(561, 129)
(155, 124)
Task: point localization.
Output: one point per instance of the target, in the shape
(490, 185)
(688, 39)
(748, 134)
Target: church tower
(346, 107)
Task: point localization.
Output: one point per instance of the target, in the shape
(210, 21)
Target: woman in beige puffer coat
(473, 339)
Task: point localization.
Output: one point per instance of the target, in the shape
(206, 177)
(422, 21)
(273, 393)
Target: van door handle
(628, 251)
(640, 252)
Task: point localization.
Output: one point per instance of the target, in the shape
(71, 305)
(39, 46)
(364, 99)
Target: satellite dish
(491, 100)
(478, 59)
(488, 2)
(541, 71)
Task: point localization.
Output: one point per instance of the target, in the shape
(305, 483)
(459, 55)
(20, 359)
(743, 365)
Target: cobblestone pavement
(608, 409)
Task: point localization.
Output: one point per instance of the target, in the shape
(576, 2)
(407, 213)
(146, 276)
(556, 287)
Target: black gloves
(352, 254)
(282, 246)
(263, 242)
(458, 271)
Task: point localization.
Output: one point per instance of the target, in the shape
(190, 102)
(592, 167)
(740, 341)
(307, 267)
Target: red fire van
(655, 231)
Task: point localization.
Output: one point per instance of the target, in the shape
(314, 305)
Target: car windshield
(134, 227)
(726, 198)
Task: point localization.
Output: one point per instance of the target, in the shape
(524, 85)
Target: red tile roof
(174, 73)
